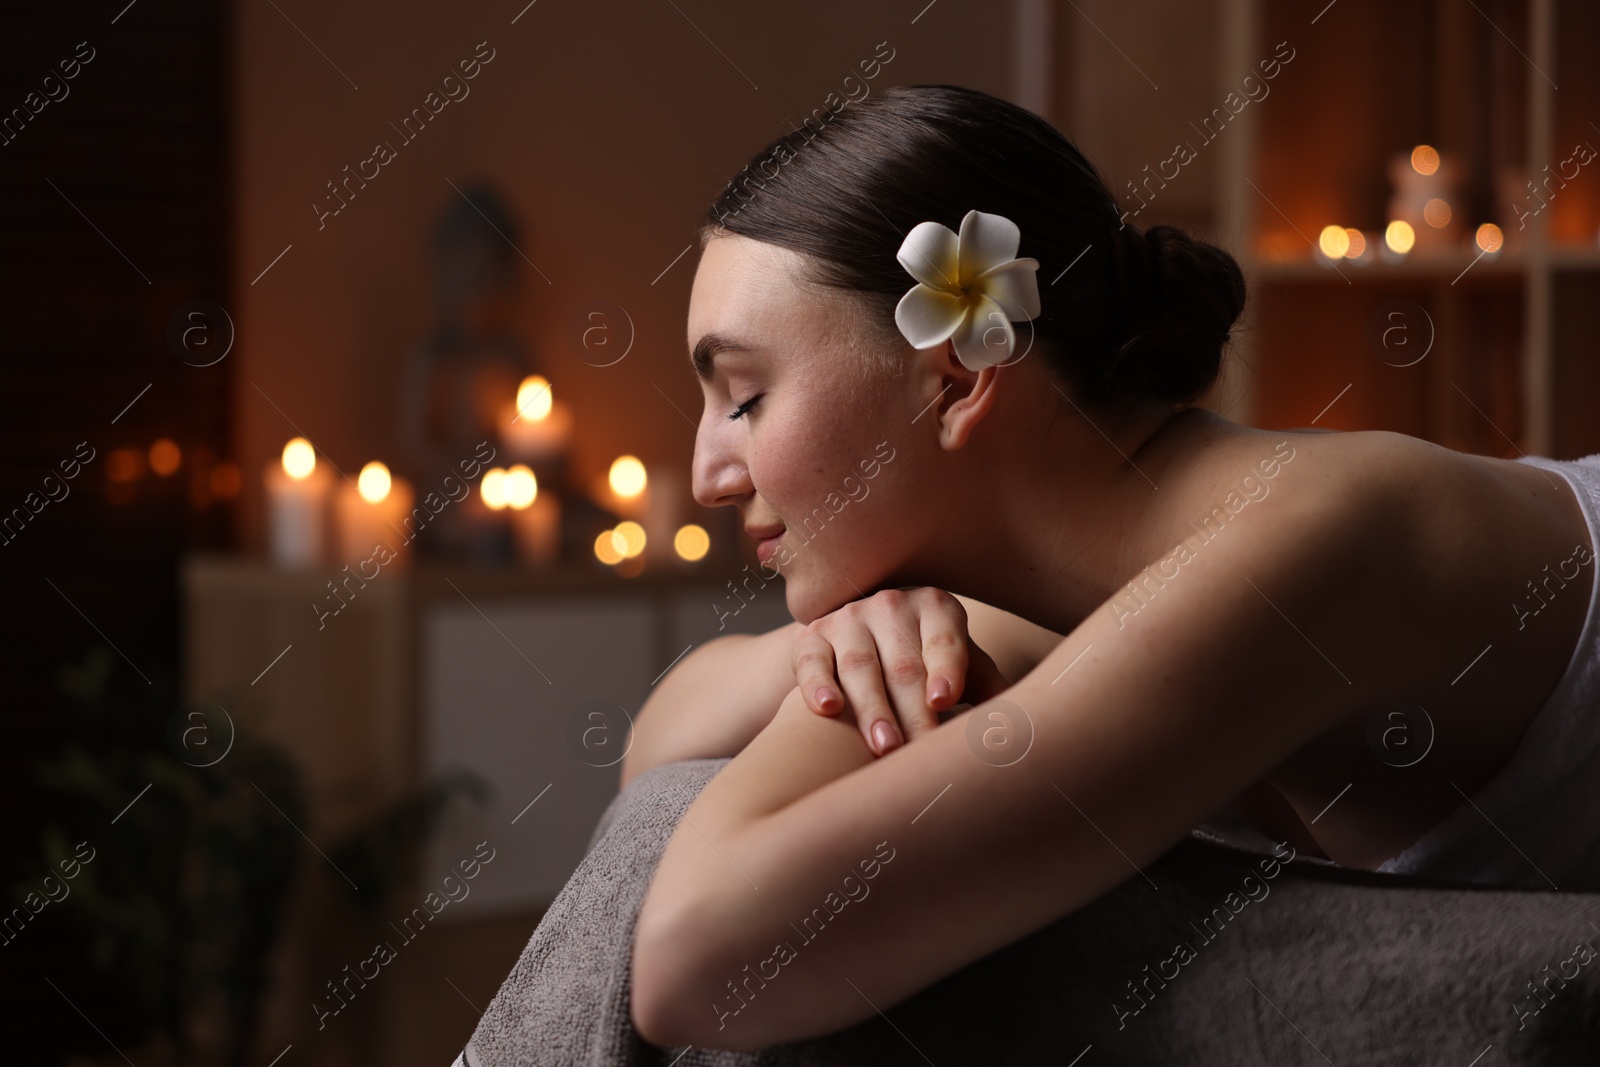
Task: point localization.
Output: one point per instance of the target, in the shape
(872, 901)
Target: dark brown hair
(1138, 316)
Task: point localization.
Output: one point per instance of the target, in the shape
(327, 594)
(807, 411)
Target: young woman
(1384, 651)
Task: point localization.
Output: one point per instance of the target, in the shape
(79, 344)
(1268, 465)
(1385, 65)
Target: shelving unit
(1514, 363)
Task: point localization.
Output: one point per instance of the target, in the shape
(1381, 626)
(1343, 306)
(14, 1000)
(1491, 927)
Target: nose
(719, 474)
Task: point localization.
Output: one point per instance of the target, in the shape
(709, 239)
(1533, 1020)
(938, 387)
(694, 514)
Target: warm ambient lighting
(299, 459)
(520, 487)
(606, 549)
(630, 538)
(691, 542)
(1358, 243)
(225, 480)
(125, 465)
(1424, 159)
(1399, 236)
(165, 456)
(1437, 213)
(1333, 241)
(1489, 237)
(493, 488)
(533, 399)
(627, 477)
(373, 482)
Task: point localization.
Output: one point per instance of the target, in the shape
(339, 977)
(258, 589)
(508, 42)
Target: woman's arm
(714, 701)
(810, 885)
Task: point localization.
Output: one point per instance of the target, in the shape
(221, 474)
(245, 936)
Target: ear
(965, 397)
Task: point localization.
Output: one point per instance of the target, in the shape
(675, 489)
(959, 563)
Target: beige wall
(609, 126)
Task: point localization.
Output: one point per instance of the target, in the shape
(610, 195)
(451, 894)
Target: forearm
(714, 701)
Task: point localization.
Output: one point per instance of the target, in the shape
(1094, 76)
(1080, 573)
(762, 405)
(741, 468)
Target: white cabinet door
(530, 694)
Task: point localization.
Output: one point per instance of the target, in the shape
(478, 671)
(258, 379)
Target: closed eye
(743, 409)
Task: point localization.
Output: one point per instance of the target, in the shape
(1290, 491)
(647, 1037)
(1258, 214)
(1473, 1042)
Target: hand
(916, 641)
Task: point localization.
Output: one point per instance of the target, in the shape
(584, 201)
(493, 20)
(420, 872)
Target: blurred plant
(184, 900)
(386, 852)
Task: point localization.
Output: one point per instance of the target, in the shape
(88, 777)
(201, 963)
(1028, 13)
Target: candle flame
(630, 537)
(299, 459)
(1400, 236)
(493, 488)
(628, 477)
(534, 399)
(691, 542)
(1333, 241)
(373, 482)
(606, 549)
(520, 487)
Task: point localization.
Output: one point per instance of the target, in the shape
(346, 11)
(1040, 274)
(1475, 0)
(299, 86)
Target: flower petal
(929, 253)
(985, 336)
(986, 241)
(928, 316)
(1014, 286)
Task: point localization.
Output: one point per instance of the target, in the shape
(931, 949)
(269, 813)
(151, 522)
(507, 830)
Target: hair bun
(1193, 294)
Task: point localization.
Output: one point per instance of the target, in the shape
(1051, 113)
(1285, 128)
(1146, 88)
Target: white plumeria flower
(969, 288)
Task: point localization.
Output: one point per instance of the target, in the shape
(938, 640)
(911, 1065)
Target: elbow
(668, 955)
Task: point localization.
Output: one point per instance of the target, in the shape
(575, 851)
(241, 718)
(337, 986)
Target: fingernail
(824, 697)
(883, 736)
(939, 690)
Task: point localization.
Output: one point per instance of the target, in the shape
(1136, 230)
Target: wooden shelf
(1447, 268)
(1510, 354)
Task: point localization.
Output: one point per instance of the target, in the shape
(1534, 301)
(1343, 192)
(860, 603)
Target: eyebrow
(708, 346)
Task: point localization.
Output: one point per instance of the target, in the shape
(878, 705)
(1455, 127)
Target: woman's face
(799, 430)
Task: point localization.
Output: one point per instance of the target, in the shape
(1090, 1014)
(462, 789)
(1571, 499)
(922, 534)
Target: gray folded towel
(1302, 962)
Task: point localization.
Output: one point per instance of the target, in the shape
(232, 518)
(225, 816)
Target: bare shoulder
(1014, 643)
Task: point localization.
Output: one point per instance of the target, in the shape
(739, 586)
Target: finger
(944, 652)
(984, 680)
(861, 675)
(905, 673)
(813, 674)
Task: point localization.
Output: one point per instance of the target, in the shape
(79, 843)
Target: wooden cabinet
(426, 671)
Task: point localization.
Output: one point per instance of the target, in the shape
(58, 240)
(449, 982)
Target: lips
(766, 538)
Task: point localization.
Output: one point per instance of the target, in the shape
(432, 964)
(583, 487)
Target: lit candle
(665, 511)
(536, 427)
(535, 517)
(373, 512)
(625, 488)
(297, 502)
(1422, 186)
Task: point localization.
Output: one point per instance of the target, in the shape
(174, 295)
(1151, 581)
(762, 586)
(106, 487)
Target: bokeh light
(1399, 236)
(521, 487)
(533, 398)
(493, 488)
(627, 476)
(606, 549)
(165, 456)
(691, 542)
(373, 482)
(1333, 241)
(299, 458)
(631, 538)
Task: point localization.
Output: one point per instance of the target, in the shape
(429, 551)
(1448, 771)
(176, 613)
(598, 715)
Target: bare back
(1476, 651)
